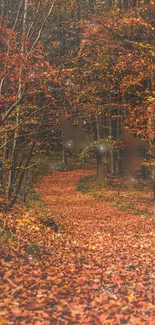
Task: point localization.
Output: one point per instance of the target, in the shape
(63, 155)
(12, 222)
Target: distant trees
(112, 81)
(93, 60)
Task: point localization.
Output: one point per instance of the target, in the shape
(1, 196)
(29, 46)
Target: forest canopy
(90, 61)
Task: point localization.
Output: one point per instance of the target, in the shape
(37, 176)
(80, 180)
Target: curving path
(104, 259)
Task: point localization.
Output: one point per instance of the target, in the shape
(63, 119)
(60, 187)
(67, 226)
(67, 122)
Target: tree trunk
(111, 152)
(64, 158)
(15, 140)
(22, 176)
(97, 127)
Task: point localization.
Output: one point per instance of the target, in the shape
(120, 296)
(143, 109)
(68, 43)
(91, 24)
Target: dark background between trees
(73, 75)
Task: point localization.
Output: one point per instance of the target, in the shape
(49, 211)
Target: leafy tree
(25, 98)
(113, 74)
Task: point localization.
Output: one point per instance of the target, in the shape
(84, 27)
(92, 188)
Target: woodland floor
(99, 268)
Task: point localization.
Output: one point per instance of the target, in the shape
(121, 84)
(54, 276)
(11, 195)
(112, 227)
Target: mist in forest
(74, 137)
(131, 161)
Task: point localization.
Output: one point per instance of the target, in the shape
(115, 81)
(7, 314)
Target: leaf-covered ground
(99, 268)
(123, 193)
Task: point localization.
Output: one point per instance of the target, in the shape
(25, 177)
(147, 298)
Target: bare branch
(43, 24)
(23, 121)
(25, 135)
(18, 101)
(35, 18)
(18, 13)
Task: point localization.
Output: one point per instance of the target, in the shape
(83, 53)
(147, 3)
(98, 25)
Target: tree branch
(18, 101)
(42, 26)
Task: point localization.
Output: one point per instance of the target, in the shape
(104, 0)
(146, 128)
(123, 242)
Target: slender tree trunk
(14, 146)
(22, 176)
(111, 153)
(2, 11)
(151, 134)
(119, 170)
(97, 127)
(64, 159)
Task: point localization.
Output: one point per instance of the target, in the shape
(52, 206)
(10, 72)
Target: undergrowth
(117, 192)
(84, 184)
(46, 165)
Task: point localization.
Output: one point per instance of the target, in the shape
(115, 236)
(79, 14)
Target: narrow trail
(98, 269)
(104, 271)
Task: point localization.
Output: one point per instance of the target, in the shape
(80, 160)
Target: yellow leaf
(3, 321)
(131, 298)
(37, 228)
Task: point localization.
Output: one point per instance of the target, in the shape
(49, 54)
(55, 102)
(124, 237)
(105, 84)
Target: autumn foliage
(77, 75)
(93, 62)
(97, 269)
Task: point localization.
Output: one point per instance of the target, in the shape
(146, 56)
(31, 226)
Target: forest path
(104, 266)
